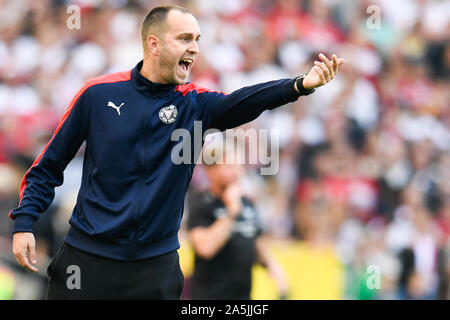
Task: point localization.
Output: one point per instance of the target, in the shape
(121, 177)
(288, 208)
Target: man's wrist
(23, 223)
(231, 215)
(298, 86)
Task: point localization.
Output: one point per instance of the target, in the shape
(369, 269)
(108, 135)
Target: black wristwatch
(301, 89)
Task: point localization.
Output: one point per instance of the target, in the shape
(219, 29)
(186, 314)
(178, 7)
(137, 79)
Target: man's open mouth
(185, 64)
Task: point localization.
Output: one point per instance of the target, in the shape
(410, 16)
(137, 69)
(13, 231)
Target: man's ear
(153, 44)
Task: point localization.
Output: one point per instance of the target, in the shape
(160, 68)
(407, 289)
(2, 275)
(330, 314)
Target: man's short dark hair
(155, 20)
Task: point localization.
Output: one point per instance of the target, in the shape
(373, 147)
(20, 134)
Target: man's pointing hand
(323, 71)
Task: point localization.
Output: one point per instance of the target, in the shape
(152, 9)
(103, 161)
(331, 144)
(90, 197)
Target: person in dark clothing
(225, 232)
(130, 202)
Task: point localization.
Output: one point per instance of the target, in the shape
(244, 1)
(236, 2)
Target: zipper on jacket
(132, 245)
(134, 224)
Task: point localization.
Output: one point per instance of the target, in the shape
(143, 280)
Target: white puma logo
(112, 105)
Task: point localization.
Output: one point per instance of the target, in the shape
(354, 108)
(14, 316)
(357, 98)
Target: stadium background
(364, 174)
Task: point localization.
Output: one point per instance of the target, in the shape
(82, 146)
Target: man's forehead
(179, 22)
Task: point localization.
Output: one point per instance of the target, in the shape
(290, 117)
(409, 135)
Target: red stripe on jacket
(189, 87)
(109, 78)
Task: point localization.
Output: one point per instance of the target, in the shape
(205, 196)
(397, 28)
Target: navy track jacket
(131, 198)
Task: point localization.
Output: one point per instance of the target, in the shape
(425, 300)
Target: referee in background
(225, 231)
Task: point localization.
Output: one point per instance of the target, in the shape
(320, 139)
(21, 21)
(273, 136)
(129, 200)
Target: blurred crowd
(364, 161)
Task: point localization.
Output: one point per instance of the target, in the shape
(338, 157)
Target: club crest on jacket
(168, 114)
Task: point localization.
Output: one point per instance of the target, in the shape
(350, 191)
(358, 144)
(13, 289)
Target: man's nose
(194, 48)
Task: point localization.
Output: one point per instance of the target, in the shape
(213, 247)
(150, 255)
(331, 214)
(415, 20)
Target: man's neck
(149, 71)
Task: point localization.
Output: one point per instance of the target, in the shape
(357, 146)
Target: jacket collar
(146, 86)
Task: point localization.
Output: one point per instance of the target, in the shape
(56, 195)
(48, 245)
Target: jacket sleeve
(37, 189)
(222, 111)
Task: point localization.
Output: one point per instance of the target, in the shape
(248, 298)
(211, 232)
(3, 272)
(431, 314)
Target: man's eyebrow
(188, 34)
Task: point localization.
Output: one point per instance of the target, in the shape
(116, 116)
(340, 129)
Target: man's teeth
(185, 64)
